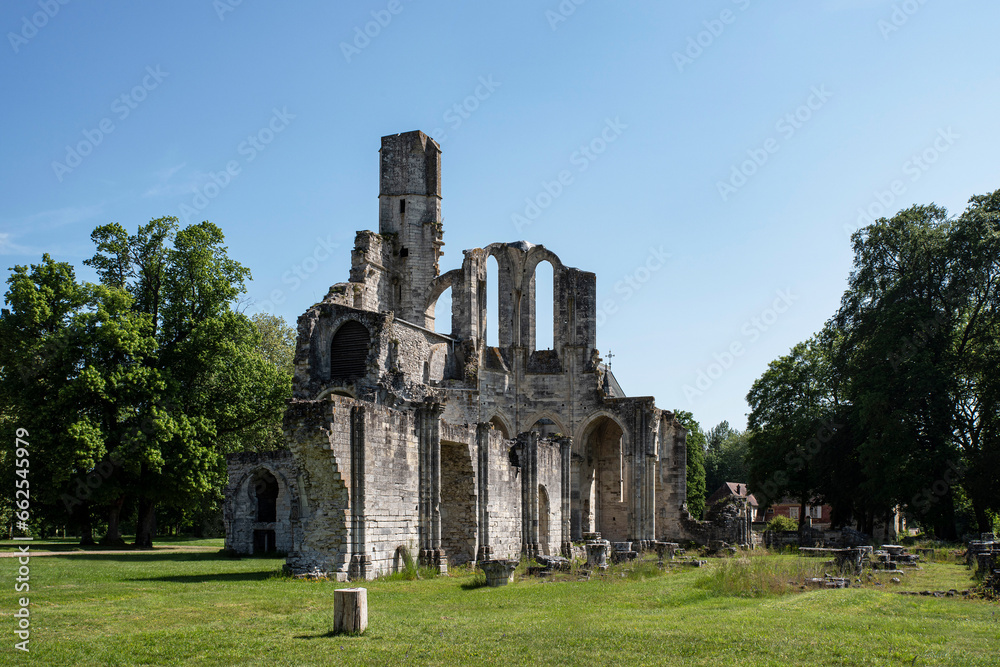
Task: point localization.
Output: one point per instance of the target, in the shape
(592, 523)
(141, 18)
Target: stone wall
(319, 435)
(459, 496)
(240, 509)
(504, 499)
(550, 480)
(391, 487)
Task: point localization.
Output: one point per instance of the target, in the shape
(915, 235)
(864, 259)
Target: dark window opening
(266, 490)
(402, 207)
(349, 351)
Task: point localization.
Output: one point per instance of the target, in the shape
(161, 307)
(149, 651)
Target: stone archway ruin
(604, 480)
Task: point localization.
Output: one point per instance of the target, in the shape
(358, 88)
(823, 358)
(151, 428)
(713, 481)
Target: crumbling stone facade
(261, 510)
(413, 436)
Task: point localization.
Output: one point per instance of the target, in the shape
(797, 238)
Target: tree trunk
(146, 527)
(86, 527)
(944, 523)
(114, 536)
(982, 518)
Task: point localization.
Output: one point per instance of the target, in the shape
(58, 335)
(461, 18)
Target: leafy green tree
(902, 319)
(695, 463)
(725, 456)
(134, 389)
(216, 393)
(277, 341)
(790, 422)
(71, 375)
(277, 346)
(974, 246)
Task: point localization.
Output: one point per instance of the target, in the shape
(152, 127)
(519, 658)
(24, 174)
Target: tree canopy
(695, 463)
(136, 388)
(894, 405)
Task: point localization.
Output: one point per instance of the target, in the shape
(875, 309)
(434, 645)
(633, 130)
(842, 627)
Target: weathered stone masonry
(416, 439)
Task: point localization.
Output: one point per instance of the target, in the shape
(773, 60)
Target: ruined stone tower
(410, 214)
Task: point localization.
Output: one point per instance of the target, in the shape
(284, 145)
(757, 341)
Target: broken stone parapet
(827, 582)
(434, 558)
(499, 572)
(977, 547)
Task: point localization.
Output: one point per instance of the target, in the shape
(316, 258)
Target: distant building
(733, 490)
(819, 514)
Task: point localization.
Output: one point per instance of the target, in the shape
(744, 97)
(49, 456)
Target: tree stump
(350, 610)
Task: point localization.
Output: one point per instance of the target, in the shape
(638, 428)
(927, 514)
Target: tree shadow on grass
(326, 635)
(206, 578)
(334, 635)
(147, 557)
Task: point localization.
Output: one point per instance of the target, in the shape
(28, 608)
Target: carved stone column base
(498, 572)
(435, 558)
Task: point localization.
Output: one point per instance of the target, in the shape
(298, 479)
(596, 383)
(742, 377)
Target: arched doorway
(604, 480)
(264, 489)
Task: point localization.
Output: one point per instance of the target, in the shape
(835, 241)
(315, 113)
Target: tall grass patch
(759, 575)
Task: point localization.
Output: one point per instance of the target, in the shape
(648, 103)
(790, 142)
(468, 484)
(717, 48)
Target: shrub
(782, 523)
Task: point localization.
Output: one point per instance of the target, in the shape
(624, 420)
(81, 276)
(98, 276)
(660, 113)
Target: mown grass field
(73, 544)
(205, 609)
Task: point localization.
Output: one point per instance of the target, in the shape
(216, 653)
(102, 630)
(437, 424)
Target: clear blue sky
(199, 78)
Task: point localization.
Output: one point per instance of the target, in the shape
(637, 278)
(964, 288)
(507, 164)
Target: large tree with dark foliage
(137, 387)
(907, 370)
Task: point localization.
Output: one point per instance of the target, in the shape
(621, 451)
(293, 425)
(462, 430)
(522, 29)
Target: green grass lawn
(73, 543)
(204, 609)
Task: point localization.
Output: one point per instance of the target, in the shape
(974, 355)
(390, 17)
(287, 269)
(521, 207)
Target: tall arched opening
(491, 321)
(545, 306)
(438, 316)
(264, 489)
(604, 480)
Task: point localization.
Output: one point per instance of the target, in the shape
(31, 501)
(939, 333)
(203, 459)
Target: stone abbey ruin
(412, 438)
